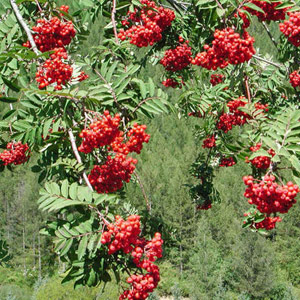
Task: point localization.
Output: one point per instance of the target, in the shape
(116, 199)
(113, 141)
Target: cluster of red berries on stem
(269, 8)
(268, 223)
(146, 24)
(295, 79)
(291, 28)
(227, 48)
(205, 206)
(53, 33)
(246, 21)
(178, 58)
(16, 153)
(236, 117)
(170, 82)
(216, 79)
(54, 70)
(268, 196)
(101, 133)
(125, 236)
(109, 177)
(260, 162)
(227, 162)
(209, 142)
(137, 136)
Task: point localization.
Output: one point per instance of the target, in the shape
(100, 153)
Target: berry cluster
(146, 24)
(268, 223)
(227, 48)
(142, 284)
(269, 8)
(227, 162)
(260, 162)
(16, 154)
(291, 28)
(137, 136)
(236, 117)
(54, 70)
(196, 114)
(125, 235)
(53, 33)
(177, 59)
(246, 21)
(169, 82)
(268, 196)
(101, 133)
(209, 142)
(205, 206)
(295, 79)
(110, 176)
(216, 79)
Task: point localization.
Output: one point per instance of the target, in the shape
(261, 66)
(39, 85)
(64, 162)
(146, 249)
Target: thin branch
(78, 158)
(247, 89)
(267, 61)
(110, 88)
(38, 5)
(142, 102)
(269, 34)
(113, 21)
(24, 26)
(143, 190)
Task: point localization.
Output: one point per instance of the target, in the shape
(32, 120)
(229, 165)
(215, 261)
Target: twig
(247, 89)
(38, 5)
(269, 34)
(78, 158)
(113, 21)
(110, 88)
(143, 190)
(142, 102)
(24, 26)
(267, 61)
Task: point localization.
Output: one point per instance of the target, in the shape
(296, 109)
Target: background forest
(208, 255)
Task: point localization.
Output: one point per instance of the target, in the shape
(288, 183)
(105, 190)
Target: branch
(267, 61)
(247, 89)
(110, 88)
(113, 12)
(24, 26)
(269, 34)
(142, 102)
(78, 158)
(143, 190)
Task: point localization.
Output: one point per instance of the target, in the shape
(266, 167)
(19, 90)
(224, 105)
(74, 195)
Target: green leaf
(66, 247)
(293, 147)
(254, 7)
(73, 190)
(46, 128)
(11, 85)
(260, 152)
(284, 5)
(295, 163)
(8, 99)
(65, 188)
(82, 247)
